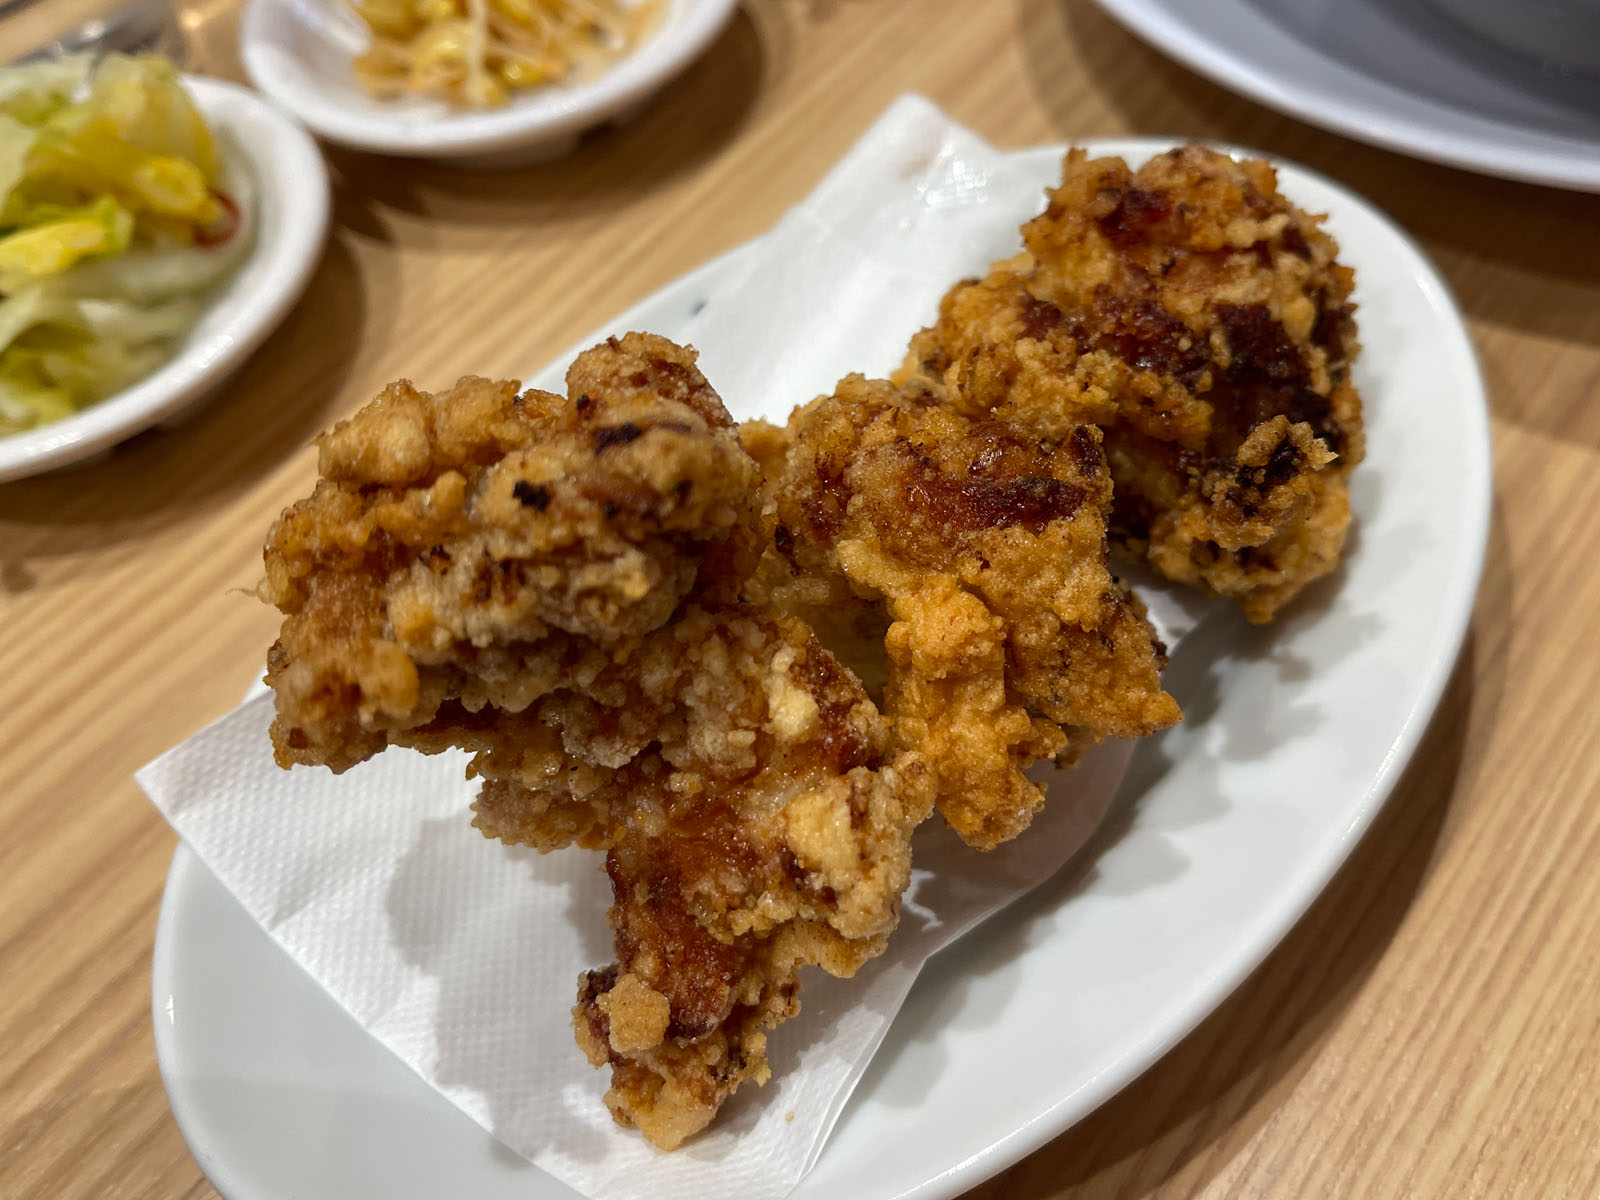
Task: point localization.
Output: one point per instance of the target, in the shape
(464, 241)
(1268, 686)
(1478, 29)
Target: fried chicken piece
(766, 826)
(476, 546)
(1201, 320)
(766, 831)
(1010, 642)
(552, 584)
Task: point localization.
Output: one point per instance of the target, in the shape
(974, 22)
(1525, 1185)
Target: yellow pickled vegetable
(113, 225)
(144, 100)
(63, 236)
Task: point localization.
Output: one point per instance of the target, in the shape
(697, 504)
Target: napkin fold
(847, 276)
(461, 955)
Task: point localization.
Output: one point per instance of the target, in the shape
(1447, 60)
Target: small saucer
(300, 54)
(290, 220)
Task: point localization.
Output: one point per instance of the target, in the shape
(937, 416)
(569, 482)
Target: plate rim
(1315, 871)
(198, 368)
(1166, 28)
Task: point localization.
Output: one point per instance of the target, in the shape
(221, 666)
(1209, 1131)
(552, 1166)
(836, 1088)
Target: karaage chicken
(551, 583)
(474, 547)
(1203, 322)
(984, 548)
(747, 664)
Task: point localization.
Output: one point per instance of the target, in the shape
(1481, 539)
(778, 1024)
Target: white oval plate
(1391, 73)
(1235, 821)
(291, 222)
(299, 53)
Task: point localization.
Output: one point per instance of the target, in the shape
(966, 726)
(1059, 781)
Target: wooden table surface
(1431, 1028)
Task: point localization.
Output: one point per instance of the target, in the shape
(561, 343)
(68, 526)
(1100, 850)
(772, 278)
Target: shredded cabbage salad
(114, 224)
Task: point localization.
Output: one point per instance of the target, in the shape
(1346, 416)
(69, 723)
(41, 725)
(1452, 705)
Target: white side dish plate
(299, 52)
(1226, 829)
(1395, 73)
(290, 218)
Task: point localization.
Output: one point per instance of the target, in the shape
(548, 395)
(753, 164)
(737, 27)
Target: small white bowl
(299, 52)
(291, 221)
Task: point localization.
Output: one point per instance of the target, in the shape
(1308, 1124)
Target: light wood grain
(1431, 1028)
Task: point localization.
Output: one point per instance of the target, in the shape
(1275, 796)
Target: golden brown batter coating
(985, 547)
(766, 829)
(1202, 322)
(552, 585)
(755, 819)
(479, 544)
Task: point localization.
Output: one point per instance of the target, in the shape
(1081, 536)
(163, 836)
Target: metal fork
(138, 27)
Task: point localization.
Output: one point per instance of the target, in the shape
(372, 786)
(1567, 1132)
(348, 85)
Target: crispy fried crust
(985, 547)
(614, 606)
(764, 831)
(1202, 322)
(755, 820)
(476, 545)
(552, 583)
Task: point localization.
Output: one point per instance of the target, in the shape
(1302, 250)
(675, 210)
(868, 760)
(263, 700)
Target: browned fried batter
(551, 583)
(1201, 320)
(985, 547)
(766, 830)
(476, 546)
(621, 611)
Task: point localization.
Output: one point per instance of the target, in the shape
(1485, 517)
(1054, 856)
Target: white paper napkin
(847, 277)
(462, 955)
